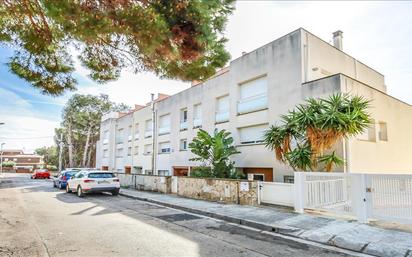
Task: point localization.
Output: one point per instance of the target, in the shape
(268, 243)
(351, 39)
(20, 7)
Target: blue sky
(378, 34)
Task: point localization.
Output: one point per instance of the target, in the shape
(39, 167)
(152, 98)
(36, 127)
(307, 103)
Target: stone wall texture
(160, 184)
(219, 190)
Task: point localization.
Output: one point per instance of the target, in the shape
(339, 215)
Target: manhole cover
(178, 217)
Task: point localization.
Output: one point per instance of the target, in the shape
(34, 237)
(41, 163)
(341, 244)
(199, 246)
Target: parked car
(40, 173)
(60, 180)
(93, 181)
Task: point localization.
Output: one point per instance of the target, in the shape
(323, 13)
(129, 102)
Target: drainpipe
(152, 105)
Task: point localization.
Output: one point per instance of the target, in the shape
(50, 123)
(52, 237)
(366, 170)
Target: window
(148, 172)
(289, 179)
(164, 147)
(253, 96)
(148, 129)
(127, 169)
(197, 116)
(137, 169)
(129, 133)
(15, 159)
(252, 134)
(222, 109)
(119, 152)
(369, 134)
(147, 149)
(136, 131)
(183, 144)
(164, 124)
(119, 136)
(105, 137)
(183, 119)
(136, 150)
(105, 153)
(162, 172)
(383, 131)
(129, 151)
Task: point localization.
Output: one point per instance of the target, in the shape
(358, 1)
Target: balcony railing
(197, 122)
(136, 136)
(222, 116)
(183, 125)
(253, 103)
(105, 141)
(164, 130)
(148, 133)
(129, 138)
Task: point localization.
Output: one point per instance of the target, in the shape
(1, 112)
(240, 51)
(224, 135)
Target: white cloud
(23, 125)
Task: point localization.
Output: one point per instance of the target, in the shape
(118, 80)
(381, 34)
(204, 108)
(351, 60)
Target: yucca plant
(307, 134)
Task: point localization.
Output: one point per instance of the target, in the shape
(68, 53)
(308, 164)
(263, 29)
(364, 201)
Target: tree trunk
(89, 157)
(70, 146)
(86, 146)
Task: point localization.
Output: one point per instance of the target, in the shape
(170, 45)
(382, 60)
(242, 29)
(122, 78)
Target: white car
(91, 181)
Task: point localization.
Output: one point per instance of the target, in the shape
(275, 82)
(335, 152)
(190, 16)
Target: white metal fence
(329, 192)
(364, 196)
(390, 197)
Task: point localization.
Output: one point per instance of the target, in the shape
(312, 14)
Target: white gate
(328, 191)
(277, 193)
(174, 184)
(390, 197)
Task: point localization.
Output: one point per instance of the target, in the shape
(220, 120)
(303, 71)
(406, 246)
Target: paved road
(38, 220)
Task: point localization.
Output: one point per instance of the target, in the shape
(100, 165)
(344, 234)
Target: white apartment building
(248, 96)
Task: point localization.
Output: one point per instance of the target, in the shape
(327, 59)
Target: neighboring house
(251, 94)
(23, 161)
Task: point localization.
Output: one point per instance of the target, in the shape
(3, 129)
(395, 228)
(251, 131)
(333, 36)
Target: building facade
(22, 161)
(248, 96)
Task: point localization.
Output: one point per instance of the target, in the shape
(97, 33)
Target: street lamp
(1, 157)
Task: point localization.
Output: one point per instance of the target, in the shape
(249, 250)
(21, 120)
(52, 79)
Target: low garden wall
(220, 190)
(160, 184)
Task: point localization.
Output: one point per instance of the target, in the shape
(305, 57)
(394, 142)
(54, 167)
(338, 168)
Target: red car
(41, 173)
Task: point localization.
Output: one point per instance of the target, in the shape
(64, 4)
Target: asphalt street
(39, 220)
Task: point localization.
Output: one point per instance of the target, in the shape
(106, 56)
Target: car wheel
(80, 191)
(61, 186)
(115, 192)
(68, 190)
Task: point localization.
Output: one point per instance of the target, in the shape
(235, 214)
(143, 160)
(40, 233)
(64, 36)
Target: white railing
(105, 141)
(253, 103)
(364, 196)
(222, 116)
(390, 197)
(136, 136)
(129, 138)
(183, 125)
(164, 130)
(197, 122)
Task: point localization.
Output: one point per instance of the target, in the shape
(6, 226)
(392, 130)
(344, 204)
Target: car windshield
(70, 173)
(101, 175)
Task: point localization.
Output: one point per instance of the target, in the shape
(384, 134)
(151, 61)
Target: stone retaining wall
(219, 190)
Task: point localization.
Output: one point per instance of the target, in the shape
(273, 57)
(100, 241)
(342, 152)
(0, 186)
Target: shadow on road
(214, 235)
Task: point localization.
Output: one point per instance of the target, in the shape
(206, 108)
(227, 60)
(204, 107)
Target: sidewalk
(340, 233)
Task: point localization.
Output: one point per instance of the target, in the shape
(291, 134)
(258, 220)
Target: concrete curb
(283, 230)
(261, 226)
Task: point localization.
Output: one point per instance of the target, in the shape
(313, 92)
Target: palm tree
(307, 134)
